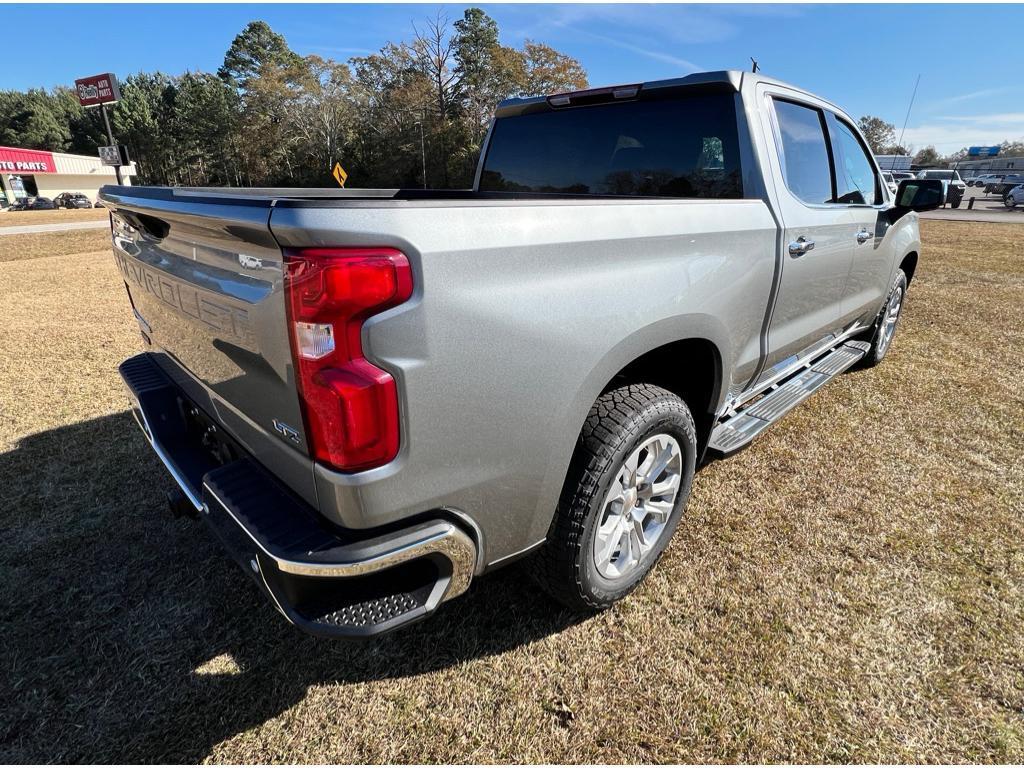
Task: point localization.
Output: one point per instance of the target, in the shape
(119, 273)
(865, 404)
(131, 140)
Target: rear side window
(805, 158)
(684, 146)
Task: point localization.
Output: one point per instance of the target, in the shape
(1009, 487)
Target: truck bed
(340, 196)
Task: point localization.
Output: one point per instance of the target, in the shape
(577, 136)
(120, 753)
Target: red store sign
(26, 161)
(98, 89)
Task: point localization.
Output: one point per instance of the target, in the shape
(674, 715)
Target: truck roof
(729, 78)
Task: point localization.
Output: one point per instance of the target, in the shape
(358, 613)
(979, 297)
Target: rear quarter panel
(522, 313)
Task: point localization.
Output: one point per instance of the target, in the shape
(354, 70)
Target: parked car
(953, 186)
(1014, 197)
(34, 204)
(418, 387)
(1002, 187)
(983, 179)
(901, 175)
(890, 181)
(72, 200)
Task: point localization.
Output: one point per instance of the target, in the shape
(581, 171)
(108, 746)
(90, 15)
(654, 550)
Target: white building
(893, 162)
(970, 167)
(32, 173)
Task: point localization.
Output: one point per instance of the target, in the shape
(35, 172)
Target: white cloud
(681, 25)
(1003, 118)
(953, 132)
(338, 49)
(658, 26)
(685, 64)
(981, 94)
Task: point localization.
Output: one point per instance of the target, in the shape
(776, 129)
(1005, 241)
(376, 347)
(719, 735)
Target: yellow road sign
(339, 174)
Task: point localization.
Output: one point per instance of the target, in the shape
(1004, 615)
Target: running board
(750, 421)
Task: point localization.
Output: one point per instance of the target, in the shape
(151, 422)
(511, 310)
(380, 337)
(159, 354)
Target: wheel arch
(637, 354)
(690, 368)
(909, 265)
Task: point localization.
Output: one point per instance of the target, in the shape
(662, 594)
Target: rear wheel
(623, 497)
(888, 319)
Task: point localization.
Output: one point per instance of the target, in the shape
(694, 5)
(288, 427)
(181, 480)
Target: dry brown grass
(21, 218)
(851, 588)
(37, 245)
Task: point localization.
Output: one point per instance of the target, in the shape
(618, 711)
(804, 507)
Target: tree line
(881, 137)
(414, 113)
(270, 117)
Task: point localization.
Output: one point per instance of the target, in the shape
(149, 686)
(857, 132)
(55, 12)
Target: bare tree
(323, 115)
(434, 48)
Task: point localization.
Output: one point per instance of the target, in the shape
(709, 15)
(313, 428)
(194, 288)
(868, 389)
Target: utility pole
(110, 138)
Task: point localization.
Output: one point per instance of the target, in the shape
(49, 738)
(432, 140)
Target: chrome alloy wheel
(638, 506)
(889, 318)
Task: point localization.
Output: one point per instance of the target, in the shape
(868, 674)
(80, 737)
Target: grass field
(851, 588)
(20, 218)
(70, 243)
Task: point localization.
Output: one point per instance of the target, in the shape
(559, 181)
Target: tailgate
(205, 277)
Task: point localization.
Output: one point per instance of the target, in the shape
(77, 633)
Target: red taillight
(350, 406)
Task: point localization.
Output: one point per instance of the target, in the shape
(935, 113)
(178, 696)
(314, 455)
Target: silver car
(374, 397)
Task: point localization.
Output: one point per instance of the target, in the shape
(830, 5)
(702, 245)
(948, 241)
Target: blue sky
(864, 57)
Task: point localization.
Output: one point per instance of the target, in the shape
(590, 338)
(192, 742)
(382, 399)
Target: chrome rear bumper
(325, 580)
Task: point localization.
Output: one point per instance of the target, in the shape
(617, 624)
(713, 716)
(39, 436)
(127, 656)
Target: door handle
(800, 246)
(863, 236)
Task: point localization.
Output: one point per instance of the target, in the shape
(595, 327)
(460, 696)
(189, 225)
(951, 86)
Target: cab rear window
(684, 146)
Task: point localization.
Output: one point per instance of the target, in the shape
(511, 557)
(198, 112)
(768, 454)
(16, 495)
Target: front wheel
(623, 497)
(888, 318)
(1009, 202)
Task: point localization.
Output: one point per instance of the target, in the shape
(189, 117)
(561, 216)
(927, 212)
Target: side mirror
(919, 194)
(916, 195)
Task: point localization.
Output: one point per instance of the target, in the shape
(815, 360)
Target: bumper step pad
(314, 576)
(747, 423)
(325, 580)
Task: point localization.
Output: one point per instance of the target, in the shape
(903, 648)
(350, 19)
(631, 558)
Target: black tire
(618, 423)
(879, 344)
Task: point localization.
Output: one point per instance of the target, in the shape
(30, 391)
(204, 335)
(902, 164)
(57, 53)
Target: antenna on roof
(892, 163)
(754, 61)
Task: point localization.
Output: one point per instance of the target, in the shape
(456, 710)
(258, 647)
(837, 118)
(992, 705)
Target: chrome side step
(747, 423)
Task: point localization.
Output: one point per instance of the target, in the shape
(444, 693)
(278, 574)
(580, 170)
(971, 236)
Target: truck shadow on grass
(130, 637)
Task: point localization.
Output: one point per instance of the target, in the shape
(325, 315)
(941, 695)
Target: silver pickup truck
(375, 396)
